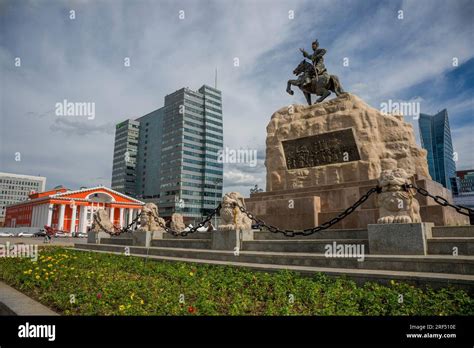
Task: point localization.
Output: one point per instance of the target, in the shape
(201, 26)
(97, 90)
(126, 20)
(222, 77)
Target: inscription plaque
(321, 149)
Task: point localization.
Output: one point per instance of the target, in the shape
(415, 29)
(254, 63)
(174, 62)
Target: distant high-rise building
(435, 137)
(125, 157)
(463, 188)
(177, 159)
(16, 188)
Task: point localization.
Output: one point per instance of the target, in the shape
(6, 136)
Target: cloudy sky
(82, 60)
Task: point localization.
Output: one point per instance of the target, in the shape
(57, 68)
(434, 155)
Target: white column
(33, 216)
(82, 219)
(73, 219)
(50, 215)
(130, 215)
(121, 217)
(62, 210)
(37, 215)
(112, 211)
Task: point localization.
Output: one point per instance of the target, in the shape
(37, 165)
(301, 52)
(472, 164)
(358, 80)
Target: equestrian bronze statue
(313, 77)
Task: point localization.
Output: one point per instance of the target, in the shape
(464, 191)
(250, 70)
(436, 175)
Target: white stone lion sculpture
(177, 222)
(101, 222)
(232, 218)
(396, 205)
(149, 218)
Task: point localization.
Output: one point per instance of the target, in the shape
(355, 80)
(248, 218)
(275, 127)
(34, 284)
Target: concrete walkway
(13, 302)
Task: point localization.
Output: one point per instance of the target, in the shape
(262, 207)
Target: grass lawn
(87, 283)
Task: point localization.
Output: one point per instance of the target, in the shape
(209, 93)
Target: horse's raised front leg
(308, 97)
(288, 86)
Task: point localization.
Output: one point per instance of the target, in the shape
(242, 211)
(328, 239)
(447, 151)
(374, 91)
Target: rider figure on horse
(313, 77)
(317, 57)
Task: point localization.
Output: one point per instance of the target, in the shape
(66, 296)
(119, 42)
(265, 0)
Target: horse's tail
(336, 85)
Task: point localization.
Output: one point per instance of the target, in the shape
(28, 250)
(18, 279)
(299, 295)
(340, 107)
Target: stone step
(453, 231)
(325, 234)
(182, 243)
(117, 241)
(447, 245)
(195, 235)
(303, 246)
(431, 263)
(361, 276)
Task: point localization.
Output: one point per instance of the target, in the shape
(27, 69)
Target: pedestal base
(229, 240)
(399, 239)
(142, 238)
(95, 237)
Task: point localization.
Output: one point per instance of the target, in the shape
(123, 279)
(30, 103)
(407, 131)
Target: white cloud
(82, 60)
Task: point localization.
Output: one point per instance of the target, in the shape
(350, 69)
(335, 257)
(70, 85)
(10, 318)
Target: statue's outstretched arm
(305, 54)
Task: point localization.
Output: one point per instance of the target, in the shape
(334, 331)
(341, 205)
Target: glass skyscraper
(125, 157)
(435, 137)
(178, 147)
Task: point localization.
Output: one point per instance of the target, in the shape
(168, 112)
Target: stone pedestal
(229, 240)
(336, 150)
(287, 213)
(95, 237)
(158, 234)
(399, 239)
(142, 238)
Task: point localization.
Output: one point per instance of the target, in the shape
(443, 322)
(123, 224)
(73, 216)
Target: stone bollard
(142, 238)
(94, 237)
(229, 239)
(399, 239)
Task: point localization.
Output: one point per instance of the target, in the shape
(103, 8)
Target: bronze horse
(323, 87)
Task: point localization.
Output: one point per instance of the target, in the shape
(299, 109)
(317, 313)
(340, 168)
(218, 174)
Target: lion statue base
(396, 203)
(231, 216)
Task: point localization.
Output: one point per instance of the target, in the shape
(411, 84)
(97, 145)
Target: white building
(16, 188)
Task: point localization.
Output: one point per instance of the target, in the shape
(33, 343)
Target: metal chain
(309, 231)
(112, 233)
(291, 233)
(133, 222)
(192, 230)
(117, 231)
(442, 201)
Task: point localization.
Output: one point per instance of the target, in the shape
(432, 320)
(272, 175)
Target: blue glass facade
(435, 135)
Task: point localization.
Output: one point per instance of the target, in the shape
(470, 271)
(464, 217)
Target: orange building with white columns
(72, 211)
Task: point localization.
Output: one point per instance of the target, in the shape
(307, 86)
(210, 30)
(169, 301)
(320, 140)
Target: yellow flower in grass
(37, 277)
(50, 265)
(142, 302)
(121, 307)
(25, 272)
(132, 295)
(191, 274)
